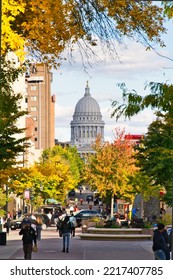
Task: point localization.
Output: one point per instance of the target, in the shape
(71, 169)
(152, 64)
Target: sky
(135, 68)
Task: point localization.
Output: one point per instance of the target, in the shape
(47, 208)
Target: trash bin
(3, 238)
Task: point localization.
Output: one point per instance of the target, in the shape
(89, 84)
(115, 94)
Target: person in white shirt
(50, 217)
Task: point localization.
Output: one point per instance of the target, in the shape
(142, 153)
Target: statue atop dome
(87, 90)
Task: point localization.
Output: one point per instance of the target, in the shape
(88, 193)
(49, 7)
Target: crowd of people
(31, 230)
(66, 224)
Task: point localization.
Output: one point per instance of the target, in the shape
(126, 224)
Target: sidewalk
(50, 247)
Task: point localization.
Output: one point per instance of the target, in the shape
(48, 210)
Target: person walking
(33, 221)
(73, 224)
(39, 223)
(161, 243)
(29, 237)
(65, 229)
(7, 224)
(50, 217)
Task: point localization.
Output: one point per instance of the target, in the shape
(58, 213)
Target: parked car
(89, 197)
(17, 224)
(85, 214)
(72, 193)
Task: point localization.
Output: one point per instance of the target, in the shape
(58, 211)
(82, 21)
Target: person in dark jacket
(161, 243)
(65, 228)
(170, 241)
(29, 236)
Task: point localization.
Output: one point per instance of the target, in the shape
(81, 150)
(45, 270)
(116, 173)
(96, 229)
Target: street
(50, 248)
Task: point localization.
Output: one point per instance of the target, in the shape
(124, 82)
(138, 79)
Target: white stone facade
(87, 122)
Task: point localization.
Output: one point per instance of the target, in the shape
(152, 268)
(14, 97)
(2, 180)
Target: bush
(137, 223)
(166, 219)
(95, 219)
(111, 224)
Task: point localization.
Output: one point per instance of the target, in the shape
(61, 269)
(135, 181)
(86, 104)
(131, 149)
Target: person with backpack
(161, 243)
(29, 237)
(73, 224)
(39, 223)
(65, 228)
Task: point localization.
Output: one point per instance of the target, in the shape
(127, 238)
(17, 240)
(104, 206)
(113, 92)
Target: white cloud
(137, 66)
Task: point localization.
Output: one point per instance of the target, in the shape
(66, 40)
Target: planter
(88, 223)
(147, 231)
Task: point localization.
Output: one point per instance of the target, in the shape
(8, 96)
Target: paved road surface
(50, 247)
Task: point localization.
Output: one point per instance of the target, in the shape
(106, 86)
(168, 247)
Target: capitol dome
(87, 105)
(87, 121)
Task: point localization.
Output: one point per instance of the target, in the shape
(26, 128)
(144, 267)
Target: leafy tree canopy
(160, 98)
(10, 112)
(54, 176)
(47, 27)
(109, 169)
(155, 156)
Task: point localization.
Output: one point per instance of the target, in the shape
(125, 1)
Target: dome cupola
(87, 105)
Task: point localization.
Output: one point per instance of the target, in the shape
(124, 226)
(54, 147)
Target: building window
(26, 99)
(33, 108)
(33, 98)
(35, 128)
(34, 87)
(35, 139)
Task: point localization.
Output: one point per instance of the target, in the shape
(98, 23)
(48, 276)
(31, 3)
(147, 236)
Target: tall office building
(41, 105)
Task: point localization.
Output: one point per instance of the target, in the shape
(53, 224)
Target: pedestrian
(71, 208)
(161, 243)
(50, 217)
(33, 221)
(65, 229)
(135, 213)
(19, 213)
(73, 224)
(39, 223)
(76, 201)
(14, 214)
(56, 216)
(81, 201)
(7, 224)
(170, 240)
(29, 237)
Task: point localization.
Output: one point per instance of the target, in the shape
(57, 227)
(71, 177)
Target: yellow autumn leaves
(45, 28)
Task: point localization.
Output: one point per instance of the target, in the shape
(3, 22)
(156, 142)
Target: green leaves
(10, 112)
(155, 155)
(160, 98)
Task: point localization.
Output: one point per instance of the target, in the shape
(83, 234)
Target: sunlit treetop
(11, 39)
(48, 27)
